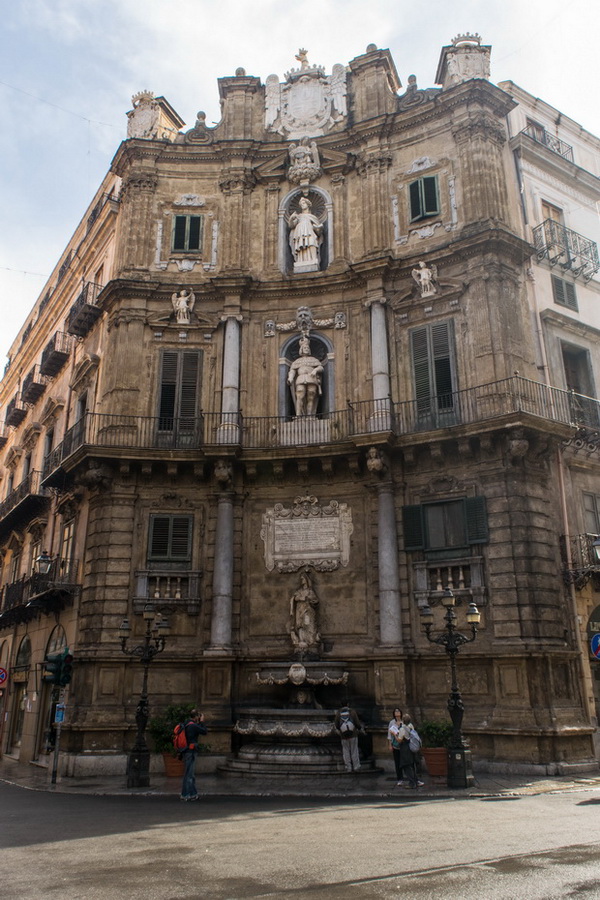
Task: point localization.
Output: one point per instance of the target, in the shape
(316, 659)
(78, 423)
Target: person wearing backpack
(193, 729)
(410, 747)
(348, 726)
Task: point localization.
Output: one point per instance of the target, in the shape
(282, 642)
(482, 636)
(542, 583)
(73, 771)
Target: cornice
(555, 166)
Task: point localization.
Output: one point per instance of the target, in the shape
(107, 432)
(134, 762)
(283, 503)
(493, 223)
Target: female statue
(305, 237)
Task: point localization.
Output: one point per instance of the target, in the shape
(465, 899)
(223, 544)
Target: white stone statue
(304, 378)
(305, 238)
(183, 304)
(304, 605)
(426, 277)
(304, 162)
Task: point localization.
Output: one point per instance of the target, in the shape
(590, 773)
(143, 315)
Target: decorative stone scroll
(307, 534)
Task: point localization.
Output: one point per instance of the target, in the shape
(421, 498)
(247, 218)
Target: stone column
(390, 626)
(380, 419)
(222, 600)
(230, 399)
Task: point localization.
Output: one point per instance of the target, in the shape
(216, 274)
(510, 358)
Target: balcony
(15, 412)
(565, 248)
(56, 353)
(24, 500)
(167, 590)
(541, 136)
(3, 436)
(464, 577)
(38, 594)
(85, 312)
(145, 437)
(34, 386)
(580, 556)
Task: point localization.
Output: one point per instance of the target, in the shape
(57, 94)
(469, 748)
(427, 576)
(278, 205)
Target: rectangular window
(433, 372)
(179, 391)
(187, 233)
(67, 544)
(170, 539)
(449, 526)
(591, 509)
(424, 198)
(564, 293)
(549, 211)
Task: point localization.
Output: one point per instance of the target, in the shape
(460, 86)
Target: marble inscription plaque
(307, 534)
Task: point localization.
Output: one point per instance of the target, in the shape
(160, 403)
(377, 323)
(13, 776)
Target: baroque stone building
(284, 385)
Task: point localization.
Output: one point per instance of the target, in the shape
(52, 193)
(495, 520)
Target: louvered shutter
(415, 201)
(430, 203)
(170, 538)
(179, 229)
(412, 518)
(159, 537)
(420, 359)
(442, 367)
(477, 520)
(181, 533)
(168, 390)
(195, 233)
(189, 389)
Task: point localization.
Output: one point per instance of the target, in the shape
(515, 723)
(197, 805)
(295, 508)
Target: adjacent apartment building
(343, 345)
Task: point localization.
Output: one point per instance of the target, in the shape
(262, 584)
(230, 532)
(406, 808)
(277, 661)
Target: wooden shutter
(415, 201)
(442, 366)
(195, 233)
(430, 203)
(420, 359)
(168, 390)
(477, 520)
(179, 389)
(179, 229)
(189, 389)
(170, 538)
(181, 533)
(564, 293)
(414, 532)
(159, 537)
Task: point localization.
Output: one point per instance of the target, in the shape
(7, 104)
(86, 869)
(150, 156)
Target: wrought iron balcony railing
(56, 353)
(541, 136)
(213, 430)
(565, 248)
(15, 412)
(34, 385)
(35, 594)
(580, 558)
(29, 487)
(85, 311)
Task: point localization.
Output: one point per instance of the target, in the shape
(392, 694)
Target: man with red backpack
(193, 729)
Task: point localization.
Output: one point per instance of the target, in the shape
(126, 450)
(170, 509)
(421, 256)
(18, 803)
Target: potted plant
(436, 736)
(160, 729)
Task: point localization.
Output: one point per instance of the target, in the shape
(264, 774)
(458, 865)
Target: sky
(68, 69)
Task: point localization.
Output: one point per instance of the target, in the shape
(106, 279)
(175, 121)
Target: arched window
(322, 350)
(312, 238)
(57, 640)
(23, 660)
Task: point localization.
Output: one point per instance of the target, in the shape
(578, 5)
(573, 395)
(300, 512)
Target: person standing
(193, 729)
(348, 726)
(394, 727)
(408, 758)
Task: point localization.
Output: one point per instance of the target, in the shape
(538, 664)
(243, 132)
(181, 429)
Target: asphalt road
(157, 848)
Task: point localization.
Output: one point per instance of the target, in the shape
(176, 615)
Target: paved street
(155, 847)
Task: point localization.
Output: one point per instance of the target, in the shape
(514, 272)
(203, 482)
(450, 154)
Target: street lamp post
(157, 628)
(460, 768)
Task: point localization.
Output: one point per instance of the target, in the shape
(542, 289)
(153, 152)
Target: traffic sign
(595, 645)
(59, 713)
(3, 677)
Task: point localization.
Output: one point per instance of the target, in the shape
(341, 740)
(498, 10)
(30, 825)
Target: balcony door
(432, 352)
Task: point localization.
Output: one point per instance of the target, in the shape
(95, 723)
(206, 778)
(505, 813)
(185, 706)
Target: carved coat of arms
(309, 103)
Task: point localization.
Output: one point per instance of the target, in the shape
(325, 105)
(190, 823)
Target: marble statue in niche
(306, 236)
(183, 304)
(304, 609)
(425, 277)
(305, 380)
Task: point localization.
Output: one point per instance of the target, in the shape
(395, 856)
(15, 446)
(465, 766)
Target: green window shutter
(195, 233)
(416, 210)
(414, 532)
(179, 232)
(571, 295)
(168, 388)
(440, 343)
(420, 360)
(170, 538)
(477, 520)
(189, 388)
(430, 195)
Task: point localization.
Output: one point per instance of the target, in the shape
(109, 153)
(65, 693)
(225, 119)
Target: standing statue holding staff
(304, 378)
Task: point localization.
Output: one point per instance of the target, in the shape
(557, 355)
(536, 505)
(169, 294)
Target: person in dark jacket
(348, 725)
(193, 729)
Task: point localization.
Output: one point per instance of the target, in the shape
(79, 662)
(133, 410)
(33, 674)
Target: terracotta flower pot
(173, 766)
(436, 760)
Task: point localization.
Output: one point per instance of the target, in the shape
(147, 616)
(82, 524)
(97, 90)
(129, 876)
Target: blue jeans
(188, 788)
